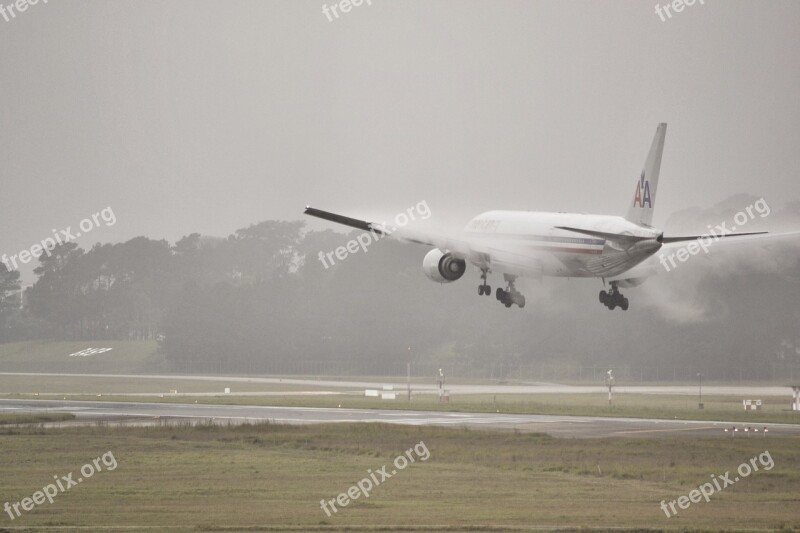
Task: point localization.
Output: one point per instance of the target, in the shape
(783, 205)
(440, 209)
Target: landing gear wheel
(613, 298)
(484, 288)
(510, 295)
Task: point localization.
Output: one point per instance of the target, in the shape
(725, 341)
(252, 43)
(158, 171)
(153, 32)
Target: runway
(557, 426)
(338, 386)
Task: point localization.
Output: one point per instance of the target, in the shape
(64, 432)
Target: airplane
(530, 244)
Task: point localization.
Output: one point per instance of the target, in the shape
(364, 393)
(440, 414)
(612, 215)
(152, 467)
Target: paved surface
(525, 388)
(558, 426)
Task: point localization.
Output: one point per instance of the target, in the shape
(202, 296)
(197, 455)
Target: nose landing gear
(483, 288)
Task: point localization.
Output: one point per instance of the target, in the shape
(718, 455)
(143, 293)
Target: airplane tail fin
(644, 199)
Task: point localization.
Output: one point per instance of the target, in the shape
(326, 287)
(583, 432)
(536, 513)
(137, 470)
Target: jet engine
(442, 267)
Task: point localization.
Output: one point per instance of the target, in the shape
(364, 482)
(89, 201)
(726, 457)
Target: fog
(194, 121)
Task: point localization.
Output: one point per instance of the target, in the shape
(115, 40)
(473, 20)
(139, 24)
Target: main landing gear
(508, 296)
(613, 298)
(511, 295)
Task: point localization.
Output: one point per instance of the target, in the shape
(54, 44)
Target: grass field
(34, 418)
(272, 477)
(47, 356)
(135, 357)
(11, 384)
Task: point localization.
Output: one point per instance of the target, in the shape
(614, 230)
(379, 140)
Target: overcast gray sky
(187, 115)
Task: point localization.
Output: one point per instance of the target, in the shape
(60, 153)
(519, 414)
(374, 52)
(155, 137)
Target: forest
(259, 300)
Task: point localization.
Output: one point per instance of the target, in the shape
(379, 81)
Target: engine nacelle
(442, 267)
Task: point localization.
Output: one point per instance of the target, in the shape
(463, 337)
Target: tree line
(259, 300)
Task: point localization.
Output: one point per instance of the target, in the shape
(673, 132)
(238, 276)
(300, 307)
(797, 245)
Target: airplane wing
(460, 248)
(480, 253)
(346, 221)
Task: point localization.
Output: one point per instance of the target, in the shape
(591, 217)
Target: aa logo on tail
(642, 197)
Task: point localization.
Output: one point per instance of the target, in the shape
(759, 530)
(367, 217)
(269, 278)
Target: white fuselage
(531, 243)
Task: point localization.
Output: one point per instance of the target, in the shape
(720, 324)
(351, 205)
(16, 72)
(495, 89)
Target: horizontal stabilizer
(668, 240)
